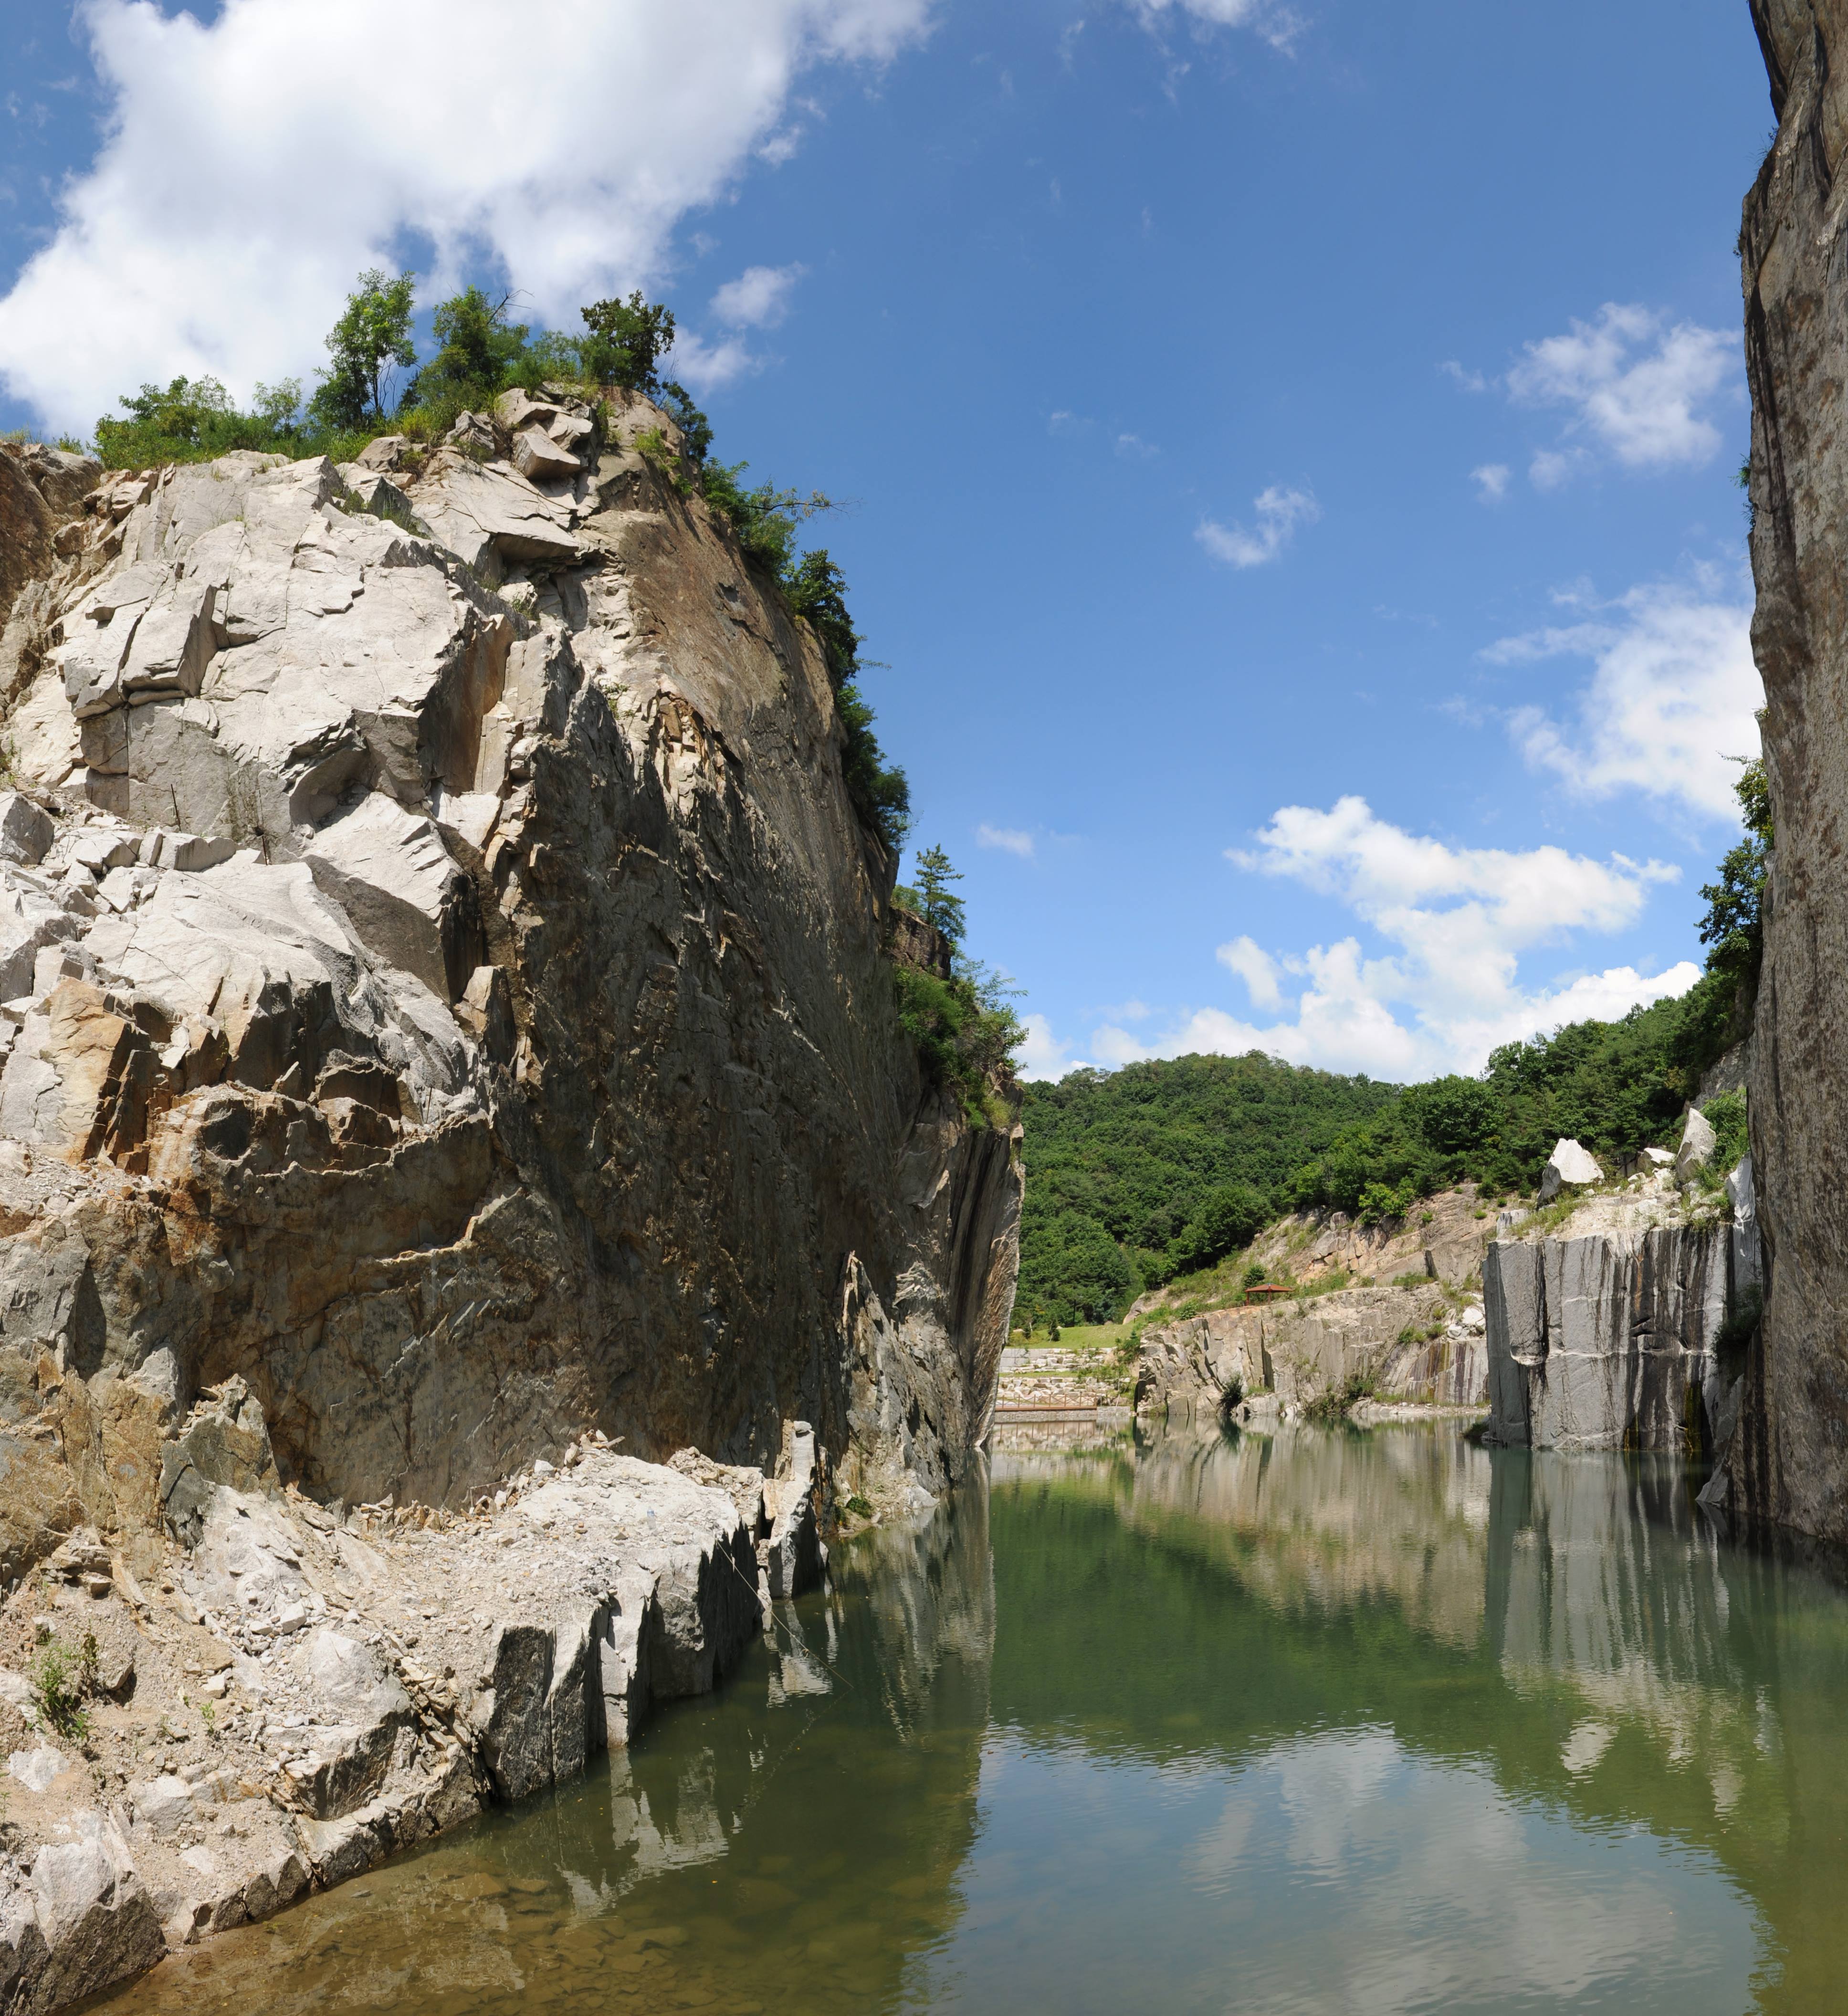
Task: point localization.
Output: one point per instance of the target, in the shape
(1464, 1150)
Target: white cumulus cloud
(1491, 481)
(250, 167)
(758, 298)
(1456, 926)
(1009, 840)
(1279, 513)
(1671, 701)
(1256, 968)
(1636, 384)
(1043, 1055)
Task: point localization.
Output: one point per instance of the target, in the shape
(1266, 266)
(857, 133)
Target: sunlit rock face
(1790, 1462)
(1609, 1340)
(443, 985)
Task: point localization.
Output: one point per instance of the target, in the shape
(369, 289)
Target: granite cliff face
(443, 986)
(446, 1030)
(1790, 1461)
(1612, 1333)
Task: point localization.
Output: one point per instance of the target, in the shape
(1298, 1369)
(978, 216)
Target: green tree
(372, 336)
(477, 345)
(1733, 926)
(696, 430)
(931, 879)
(626, 341)
(1231, 1216)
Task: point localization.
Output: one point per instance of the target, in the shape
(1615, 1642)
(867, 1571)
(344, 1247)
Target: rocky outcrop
(1609, 1334)
(42, 491)
(1790, 1462)
(449, 992)
(1419, 1346)
(446, 1026)
(283, 1694)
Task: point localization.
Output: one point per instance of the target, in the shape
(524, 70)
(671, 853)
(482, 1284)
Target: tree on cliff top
(936, 903)
(627, 340)
(373, 335)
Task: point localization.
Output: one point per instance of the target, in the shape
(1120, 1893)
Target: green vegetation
(965, 1028)
(61, 1682)
(1133, 1175)
(481, 353)
(1169, 1169)
(1733, 926)
(626, 342)
(372, 334)
(1335, 1403)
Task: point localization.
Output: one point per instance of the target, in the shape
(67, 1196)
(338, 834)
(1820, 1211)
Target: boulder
(385, 452)
(359, 1708)
(25, 830)
(473, 434)
(540, 459)
(489, 514)
(97, 1921)
(795, 1556)
(1697, 1143)
(409, 903)
(1570, 1164)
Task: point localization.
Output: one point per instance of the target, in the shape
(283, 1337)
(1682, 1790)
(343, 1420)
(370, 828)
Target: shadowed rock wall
(1790, 1461)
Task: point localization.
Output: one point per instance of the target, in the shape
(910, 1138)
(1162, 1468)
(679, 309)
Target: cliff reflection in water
(786, 1845)
(1566, 1631)
(1309, 1723)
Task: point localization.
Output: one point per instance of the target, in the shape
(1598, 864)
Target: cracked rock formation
(1789, 1461)
(442, 983)
(446, 1017)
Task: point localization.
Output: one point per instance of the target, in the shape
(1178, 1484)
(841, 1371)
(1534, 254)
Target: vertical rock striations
(1609, 1341)
(1789, 1462)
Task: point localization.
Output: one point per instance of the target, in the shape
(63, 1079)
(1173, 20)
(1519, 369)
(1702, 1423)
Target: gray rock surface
(1697, 1145)
(441, 1029)
(1789, 1461)
(466, 1019)
(319, 1691)
(1607, 1335)
(1424, 1347)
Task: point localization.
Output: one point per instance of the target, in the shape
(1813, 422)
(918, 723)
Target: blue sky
(1289, 455)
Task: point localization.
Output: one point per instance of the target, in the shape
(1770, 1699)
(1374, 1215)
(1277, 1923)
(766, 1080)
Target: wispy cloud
(1278, 25)
(1491, 481)
(1673, 695)
(758, 298)
(1007, 839)
(1635, 385)
(1279, 513)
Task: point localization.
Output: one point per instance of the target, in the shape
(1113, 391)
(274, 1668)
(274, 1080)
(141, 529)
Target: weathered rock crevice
(446, 1019)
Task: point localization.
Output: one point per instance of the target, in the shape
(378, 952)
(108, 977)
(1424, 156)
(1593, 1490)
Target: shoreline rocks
(310, 1692)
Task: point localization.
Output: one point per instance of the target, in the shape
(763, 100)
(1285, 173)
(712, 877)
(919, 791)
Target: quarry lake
(1329, 1721)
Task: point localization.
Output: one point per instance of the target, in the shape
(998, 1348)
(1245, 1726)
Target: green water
(1328, 1722)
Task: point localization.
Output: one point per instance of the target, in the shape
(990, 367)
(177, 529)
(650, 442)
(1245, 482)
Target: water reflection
(1314, 1722)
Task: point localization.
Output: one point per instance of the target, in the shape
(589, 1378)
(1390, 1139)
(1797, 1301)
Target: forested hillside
(1163, 1168)
(1135, 1174)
